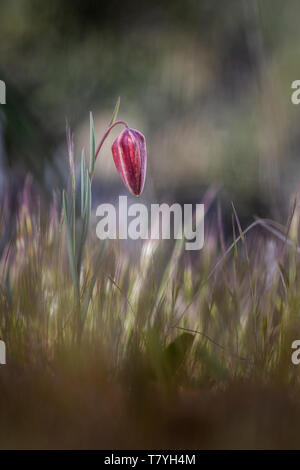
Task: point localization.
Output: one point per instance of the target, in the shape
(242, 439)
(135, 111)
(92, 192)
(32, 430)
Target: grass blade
(82, 177)
(115, 113)
(92, 144)
(88, 295)
(70, 247)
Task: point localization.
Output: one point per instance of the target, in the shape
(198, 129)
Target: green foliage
(92, 145)
(174, 357)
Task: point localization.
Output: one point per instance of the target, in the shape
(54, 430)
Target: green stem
(124, 123)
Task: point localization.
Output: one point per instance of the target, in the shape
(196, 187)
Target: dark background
(207, 82)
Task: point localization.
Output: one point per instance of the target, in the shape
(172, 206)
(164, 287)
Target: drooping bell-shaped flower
(130, 157)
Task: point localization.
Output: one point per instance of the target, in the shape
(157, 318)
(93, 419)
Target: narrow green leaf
(92, 144)
(238, 224)
(88, 295)
(88, 199)
(82, 176)
(86, 214)
(115, 113)
(70, 247)
(87, 209)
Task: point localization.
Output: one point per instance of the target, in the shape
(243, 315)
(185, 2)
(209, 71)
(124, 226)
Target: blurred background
(95, 335)
(207, 82)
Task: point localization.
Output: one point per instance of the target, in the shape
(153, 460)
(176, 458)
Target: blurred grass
(172, 352)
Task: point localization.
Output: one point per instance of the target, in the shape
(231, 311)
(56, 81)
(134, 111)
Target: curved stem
(106, 134)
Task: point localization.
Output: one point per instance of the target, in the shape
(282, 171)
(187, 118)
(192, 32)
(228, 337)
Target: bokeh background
(147, 348)
(207, 82)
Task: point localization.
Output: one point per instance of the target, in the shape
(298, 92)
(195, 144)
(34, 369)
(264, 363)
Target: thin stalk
(74, 221)
(105, 135)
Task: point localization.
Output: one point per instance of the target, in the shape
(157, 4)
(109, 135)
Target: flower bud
(130, 157)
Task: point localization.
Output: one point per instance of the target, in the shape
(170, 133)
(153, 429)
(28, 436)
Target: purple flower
(130, 157)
